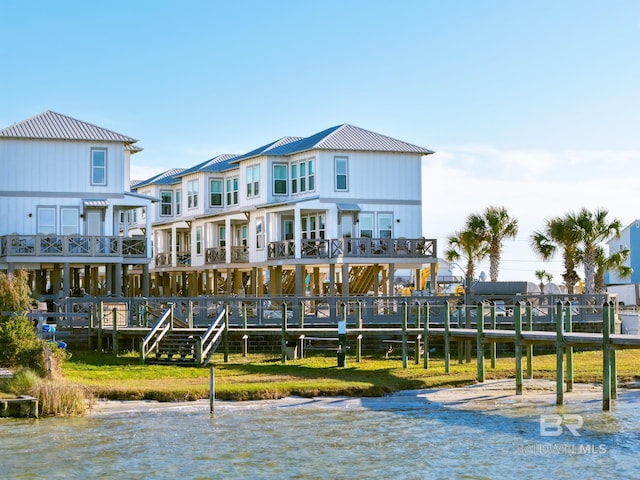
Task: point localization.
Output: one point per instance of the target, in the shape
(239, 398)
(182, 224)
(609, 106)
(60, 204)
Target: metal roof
(55, 126)
(348, 137)
(165, 178)
(212, 165)
(266, 149)
(95, 202)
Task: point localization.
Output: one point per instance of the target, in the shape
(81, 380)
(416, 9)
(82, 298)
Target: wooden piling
(479, 341)
(405, 315)
(517, 319)
(447, 339)
(492, 326)
(212, 389)
(426, 335)
(606, 358)
(529, 320)
(568, 350)
(283, 339)
(559, 354)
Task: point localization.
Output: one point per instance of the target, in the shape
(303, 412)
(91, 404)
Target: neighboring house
(64, 200)
(629, 238)
(334, 213)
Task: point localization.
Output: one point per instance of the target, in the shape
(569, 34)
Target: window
(303, 178)
(243, 235)
(294, 178)
(215, 187)
(260, 232)
(222, 236)
(385, 225)
(253, 181)
(342, 173)
(311, 175)
(279, 179)
(198, 240)
(69, 221)
(232, 191)
(98, 166)
(312, 226)
(365, 222)
(178, 202)
(46, 220)
(166, 203)
(192, 194)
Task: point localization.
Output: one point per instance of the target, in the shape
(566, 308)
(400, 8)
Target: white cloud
(534, 186)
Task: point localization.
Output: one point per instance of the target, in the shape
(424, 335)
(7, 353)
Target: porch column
(227, 241)
(296, 232)
(174, 246)
(345, 279)
(145, 280)
(117, 280)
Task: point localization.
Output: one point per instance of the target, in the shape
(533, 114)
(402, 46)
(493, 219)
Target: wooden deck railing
(72, 246)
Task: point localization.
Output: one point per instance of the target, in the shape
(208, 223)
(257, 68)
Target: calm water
(403, 436)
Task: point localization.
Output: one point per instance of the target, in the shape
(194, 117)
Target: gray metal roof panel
(168, 177)
(55, 126)
(266, 149)
(211, 165)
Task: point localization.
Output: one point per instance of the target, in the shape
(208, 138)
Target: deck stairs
(361, 279)
(166, 344)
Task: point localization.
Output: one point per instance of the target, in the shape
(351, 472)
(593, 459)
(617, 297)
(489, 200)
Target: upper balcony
(46, 246)
(384, 248)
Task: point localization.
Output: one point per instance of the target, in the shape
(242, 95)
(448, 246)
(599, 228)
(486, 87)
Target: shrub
(20, 345)
(14, 292)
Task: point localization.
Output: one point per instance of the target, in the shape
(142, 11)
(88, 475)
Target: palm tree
(543, 275)
(593, 229)
(559, 235)
(494, 225)
(469, 245)
(615, 261)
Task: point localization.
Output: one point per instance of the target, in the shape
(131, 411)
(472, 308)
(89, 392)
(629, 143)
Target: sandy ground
(489, 395)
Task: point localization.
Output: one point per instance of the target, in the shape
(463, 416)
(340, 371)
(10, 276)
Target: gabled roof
(55, 126)
(348, 137)
(219, 163)
(169, 177)
(266, 149)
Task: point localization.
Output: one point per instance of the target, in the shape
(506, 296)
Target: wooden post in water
(425, 334)
(405, 315)
(461, 343)
(225, 333)
(447, 346)
(492, 326)
(517, 320)
(613, 353)
(529, 317)
(559, 355)
(606, 357)
(114, 331)
(418, 339)
(283, 339)
(568, 350)
(479, 340)
(212, 389)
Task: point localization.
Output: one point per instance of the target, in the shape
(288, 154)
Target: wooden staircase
(361, 279)
(167, 345)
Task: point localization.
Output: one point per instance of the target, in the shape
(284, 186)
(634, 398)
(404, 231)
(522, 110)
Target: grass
(261, 376)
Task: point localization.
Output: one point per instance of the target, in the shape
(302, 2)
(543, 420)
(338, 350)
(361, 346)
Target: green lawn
(261, 376)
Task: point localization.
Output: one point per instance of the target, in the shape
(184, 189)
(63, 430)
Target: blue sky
(529, 105)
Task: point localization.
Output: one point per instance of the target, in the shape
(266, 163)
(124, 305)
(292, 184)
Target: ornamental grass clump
(61, 399)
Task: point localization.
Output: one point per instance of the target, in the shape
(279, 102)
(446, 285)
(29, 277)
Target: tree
(559, 234)
(615, 261)
(592, 229)
(542, 276)
(469, 245)
(15, 295)
(493, 226)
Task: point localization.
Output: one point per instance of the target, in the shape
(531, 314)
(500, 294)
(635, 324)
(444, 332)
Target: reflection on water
(401, 436)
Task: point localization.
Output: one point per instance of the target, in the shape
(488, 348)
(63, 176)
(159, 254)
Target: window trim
(95, 168)
(164, 204)
(192, 194)
(253, 181)
(337, 159)
(281, 181)
(220, 183)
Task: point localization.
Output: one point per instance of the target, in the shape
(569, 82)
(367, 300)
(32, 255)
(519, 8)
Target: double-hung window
(365, 223)
(385, 225)
(166, 203)
(232, 191)
(69, 221)
(192, 194)
(253, 181)
(98, 166)
(178, 202)
(46, 220)
(279, 179)
(215, 187)
(341, 167)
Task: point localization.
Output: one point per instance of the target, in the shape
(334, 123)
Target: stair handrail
(159, 330)
(207, 341)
